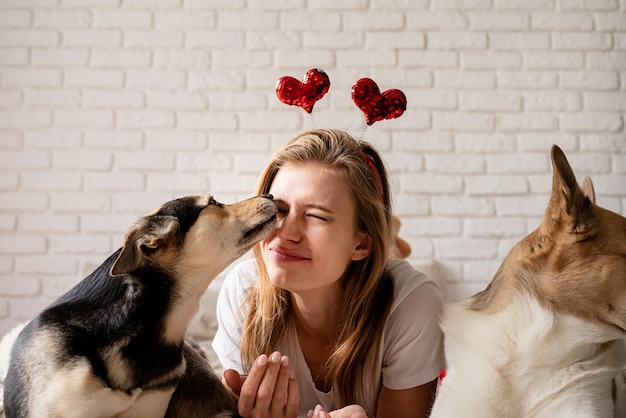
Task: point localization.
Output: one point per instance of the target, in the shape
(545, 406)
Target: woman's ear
(364, 247)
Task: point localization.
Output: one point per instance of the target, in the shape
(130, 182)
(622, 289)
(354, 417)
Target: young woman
(322, 319)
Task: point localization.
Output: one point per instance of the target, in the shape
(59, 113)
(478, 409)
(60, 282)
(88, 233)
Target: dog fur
(546, 337)
(113, 345)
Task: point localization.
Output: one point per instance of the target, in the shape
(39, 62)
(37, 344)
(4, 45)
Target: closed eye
(317, 217)
(282, 211)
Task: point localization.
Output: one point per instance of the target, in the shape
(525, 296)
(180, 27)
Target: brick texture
(109, 108)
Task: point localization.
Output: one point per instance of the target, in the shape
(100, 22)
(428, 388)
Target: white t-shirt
(411, 352)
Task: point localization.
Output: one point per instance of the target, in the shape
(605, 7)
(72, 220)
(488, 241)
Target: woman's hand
(270, 390)
(350, 411)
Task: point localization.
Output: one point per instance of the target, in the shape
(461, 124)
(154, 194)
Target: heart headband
(375, 105)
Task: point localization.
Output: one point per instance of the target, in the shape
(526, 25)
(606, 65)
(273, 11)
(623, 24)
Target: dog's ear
(147, 235)
(569, 206)
(588, 189)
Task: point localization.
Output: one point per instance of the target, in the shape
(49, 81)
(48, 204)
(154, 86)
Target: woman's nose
(288, 228)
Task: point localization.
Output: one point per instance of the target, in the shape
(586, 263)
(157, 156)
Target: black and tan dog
(113, 345)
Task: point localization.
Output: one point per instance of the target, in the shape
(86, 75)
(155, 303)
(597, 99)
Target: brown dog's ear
(399, 247)
(568, 207)
(146, 235)
(564, 185)
(588, 189)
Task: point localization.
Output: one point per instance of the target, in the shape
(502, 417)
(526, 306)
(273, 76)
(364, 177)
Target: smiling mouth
(287, 255)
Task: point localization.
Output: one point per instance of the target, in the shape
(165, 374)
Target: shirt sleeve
(413, 341)
(231, 316)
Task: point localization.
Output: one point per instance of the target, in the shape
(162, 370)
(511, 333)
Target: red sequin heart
(376, 106)
(303, 93)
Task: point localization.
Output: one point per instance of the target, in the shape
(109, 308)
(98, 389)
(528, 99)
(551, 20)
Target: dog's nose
(268, 196)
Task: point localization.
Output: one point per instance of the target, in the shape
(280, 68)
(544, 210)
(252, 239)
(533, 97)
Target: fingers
(269, 389)
(285, 397)
(318, 412)
(293, 398)
(233, 380)
(350, 411)
(249, 389)
(279, 390)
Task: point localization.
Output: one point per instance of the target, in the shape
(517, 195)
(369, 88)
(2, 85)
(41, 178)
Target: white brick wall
(110, 107)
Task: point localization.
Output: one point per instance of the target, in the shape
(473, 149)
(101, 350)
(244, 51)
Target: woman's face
(315, 238)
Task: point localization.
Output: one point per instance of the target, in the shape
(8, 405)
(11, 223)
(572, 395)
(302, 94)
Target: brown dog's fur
(546, 338)
(553, 261)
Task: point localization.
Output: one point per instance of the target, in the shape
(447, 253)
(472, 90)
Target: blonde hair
(368, 288)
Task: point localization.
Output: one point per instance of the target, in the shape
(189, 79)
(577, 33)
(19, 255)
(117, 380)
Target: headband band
(379, 180)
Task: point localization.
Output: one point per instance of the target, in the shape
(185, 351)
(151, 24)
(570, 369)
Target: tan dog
(546, 337)
(399, 247)
(113, 345)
